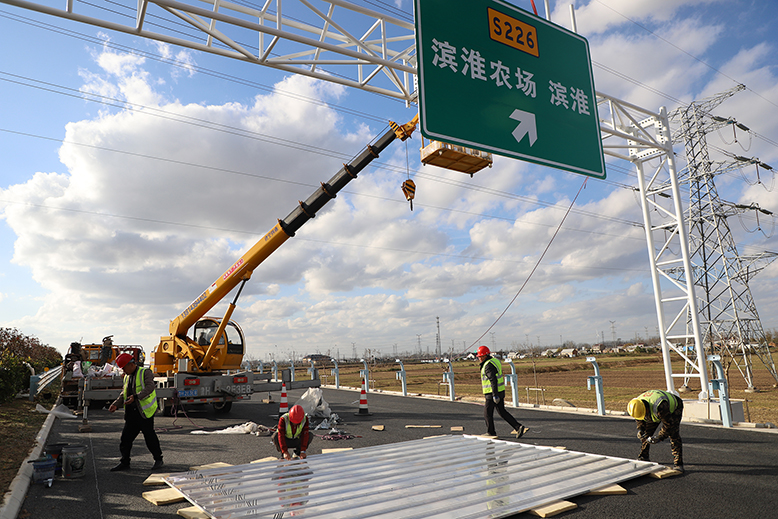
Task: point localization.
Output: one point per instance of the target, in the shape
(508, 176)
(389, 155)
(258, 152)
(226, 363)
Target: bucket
(73, 461)
(55, 451)
(43, 470)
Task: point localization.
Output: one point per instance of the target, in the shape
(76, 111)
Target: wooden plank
(552, 509)
(165, 496)
(665, 472)
(457, 428)
(378, 427)
(610, 490)
(263, 460)
(192, 512)
(327, 451)
(155, 479)
(422, 426)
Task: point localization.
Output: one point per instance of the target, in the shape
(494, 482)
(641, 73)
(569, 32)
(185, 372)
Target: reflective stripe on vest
(486, 384)
(148, 405)
(654, 397)
(288, 422)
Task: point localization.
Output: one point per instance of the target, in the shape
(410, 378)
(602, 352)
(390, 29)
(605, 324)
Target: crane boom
(178, 345)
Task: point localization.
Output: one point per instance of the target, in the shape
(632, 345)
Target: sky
(134, 173)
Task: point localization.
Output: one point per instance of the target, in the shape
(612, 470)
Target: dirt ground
(19, 425)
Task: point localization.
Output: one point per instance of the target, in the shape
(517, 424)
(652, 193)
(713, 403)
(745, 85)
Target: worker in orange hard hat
(652, 408)
(139, 399)
(292, 433)
(493, 385)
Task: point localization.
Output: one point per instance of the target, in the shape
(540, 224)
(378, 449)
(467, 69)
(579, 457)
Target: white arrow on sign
(526, 126)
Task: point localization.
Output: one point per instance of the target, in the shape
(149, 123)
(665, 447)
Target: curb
(14, 498)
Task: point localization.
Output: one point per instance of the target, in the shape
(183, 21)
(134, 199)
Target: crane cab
(457, 158)
(182, 354)
(205, 329)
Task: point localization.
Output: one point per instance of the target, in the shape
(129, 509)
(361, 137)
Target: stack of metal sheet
(442, 477)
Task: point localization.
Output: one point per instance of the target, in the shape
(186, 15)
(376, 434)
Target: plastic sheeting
(443, 477)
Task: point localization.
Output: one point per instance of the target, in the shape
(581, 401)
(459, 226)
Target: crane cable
(537, 264)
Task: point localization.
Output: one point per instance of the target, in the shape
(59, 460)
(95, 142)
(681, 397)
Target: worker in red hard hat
(139, 399)
(293, 433)
(652, 408)
(493, 385)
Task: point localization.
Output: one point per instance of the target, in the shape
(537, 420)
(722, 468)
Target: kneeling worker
(292, 433)
(652, 408)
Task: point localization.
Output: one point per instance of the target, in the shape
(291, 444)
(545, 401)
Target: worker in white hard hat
(493, 385)
(652, 408)
(292, 433)
(139, 399)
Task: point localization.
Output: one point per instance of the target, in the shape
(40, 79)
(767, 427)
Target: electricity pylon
(728, 316)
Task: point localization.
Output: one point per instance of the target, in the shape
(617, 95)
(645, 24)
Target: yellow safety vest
(654, 397)
(486, 384)
(148, 405)
(288, 422)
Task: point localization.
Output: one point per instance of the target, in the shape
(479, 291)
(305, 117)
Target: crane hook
(409, 189)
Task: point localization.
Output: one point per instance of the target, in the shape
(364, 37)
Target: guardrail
(40, 382)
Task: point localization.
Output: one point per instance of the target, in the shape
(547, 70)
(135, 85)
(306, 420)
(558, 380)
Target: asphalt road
(729, 472)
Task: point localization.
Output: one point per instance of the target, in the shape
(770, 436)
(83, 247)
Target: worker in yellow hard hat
(493, 385)
(652, 408)
(292, 433)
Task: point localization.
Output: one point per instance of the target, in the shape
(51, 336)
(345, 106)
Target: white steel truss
(377, 53)
(642, 137)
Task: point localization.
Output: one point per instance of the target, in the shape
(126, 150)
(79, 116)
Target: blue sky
(112, 221)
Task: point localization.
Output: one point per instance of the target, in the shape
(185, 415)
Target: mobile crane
(199, 368)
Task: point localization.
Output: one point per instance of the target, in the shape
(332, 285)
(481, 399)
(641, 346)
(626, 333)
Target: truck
(204, 367)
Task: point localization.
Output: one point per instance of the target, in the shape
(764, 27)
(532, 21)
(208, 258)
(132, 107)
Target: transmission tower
(729, 321)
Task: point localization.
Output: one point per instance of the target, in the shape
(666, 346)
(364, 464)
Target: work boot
(157, 464)
(121, 466)
(678, 468)
(643, 458)
(520, 431)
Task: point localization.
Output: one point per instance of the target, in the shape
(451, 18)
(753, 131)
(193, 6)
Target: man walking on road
(140, 403)
(652, 408)
(493, 385)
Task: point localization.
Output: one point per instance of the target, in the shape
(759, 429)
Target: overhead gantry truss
(376, 52)
(644, 138)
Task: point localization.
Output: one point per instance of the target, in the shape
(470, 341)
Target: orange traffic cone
(284, 407)
(363, 403)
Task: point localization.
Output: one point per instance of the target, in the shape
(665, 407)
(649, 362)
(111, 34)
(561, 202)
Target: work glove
(652, 440)
(496, 399)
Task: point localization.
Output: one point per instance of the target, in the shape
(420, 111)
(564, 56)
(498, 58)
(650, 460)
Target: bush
(13, 376)
(16, 349)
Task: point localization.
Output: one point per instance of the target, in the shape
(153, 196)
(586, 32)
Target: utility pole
(729, 322)
(438, 351)
(418, 336)
(354, 350)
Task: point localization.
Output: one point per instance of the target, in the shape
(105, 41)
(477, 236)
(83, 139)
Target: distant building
(568, 352)
(316, 357)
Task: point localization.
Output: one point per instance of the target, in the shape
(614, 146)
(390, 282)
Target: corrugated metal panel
(443, 477)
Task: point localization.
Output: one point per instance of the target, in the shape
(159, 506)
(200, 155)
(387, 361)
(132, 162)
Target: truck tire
(222, 407)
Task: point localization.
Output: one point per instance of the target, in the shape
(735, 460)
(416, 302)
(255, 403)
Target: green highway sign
(497, 78)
